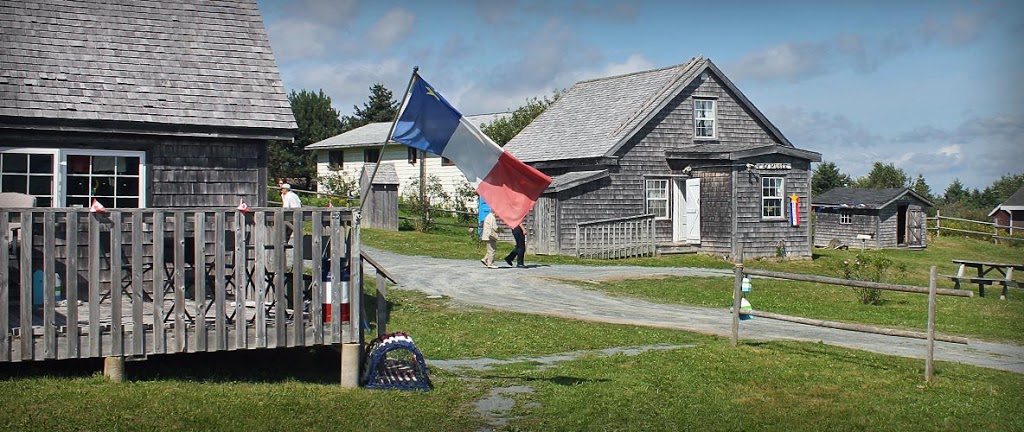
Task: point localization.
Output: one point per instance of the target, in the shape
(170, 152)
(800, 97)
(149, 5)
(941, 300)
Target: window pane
(659, 208)
(78, 185)
(103, 186)
(128, 186)
(78, 201)
(14, 183)
(103, 164)
(15, 163)
(41, 163)
(40, 185)
(126, 203)
(78, 164)
(44, 201)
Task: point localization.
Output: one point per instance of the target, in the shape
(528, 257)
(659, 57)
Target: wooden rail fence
(994, 234)
(626, 237)
(175, 280)
(932, 291)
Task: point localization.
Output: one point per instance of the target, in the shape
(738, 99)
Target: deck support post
(113, 368)
(350, 365)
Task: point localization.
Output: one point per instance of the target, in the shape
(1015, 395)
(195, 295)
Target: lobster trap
(393, 362)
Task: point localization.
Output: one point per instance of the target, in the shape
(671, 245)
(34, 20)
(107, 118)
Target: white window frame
(845, 217)
(710, 115)
(648, 199)
(60, 168)
(771, 201)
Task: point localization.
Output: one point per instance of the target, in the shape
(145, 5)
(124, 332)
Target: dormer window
(704, 119)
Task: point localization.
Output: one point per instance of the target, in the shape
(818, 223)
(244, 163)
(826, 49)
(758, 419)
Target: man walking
(489, 234)
(520, 250)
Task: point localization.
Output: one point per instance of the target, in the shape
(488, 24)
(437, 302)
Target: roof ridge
(637, 72)
(686, 71)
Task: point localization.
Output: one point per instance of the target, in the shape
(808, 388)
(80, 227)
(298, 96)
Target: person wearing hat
(289, 199)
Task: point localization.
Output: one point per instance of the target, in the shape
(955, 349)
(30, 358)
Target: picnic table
(982, 278)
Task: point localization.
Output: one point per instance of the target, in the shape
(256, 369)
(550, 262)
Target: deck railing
(174, 280)
(616, 238)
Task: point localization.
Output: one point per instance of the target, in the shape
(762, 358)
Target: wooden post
(382, 305)
(113, 367)
(929, 367)
(736, 293)
(938, 223)
(350, 355)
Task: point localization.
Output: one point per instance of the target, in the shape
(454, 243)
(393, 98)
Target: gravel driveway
(533, 290)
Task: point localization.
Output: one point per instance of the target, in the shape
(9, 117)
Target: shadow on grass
(319, 364)
(812, 350)
(559, 380)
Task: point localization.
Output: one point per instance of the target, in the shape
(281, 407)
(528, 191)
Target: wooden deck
(212, 304)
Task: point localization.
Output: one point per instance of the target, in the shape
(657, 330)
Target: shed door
(693, 211)
(915, 227)
(679, 211)
(542, 241)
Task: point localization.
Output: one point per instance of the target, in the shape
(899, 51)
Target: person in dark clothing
(520, 250)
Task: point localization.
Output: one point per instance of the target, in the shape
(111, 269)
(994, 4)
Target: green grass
(708, 386)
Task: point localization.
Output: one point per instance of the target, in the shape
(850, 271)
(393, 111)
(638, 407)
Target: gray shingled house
(890, 218)
(150, 104)
(1011, 212)
(681, 144)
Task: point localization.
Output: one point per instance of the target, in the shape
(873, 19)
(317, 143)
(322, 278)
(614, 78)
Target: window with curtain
(657, 197)
(772, 191)
(704, 119)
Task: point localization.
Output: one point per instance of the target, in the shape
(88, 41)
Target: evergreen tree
(381, 107)
(922, 188)
(317, 120)
(955, 193)
(504, 129)
(884, 176)
(827, 177)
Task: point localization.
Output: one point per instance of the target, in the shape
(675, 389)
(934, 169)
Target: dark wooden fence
(175, 280)
(616, 238)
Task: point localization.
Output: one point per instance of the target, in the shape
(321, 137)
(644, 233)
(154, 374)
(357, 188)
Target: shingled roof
(374, 134)
(165, 64)
(1014, 202)
(596, 117)
(863, 198)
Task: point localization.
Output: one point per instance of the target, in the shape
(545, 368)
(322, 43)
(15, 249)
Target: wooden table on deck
(983, 268)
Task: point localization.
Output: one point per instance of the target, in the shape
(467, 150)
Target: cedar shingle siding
(191, 83)
(641, 126)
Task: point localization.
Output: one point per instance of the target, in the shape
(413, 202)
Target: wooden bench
(983, 269)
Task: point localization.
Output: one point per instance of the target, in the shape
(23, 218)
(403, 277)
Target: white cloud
(794, 61)
(392, 28)
(348, 83)
(960, 28)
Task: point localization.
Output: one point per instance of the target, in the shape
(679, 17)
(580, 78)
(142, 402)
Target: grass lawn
(707, 386)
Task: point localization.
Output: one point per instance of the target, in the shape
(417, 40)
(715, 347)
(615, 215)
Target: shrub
(871, 268)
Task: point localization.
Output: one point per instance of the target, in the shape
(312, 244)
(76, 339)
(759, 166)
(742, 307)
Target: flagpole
(394, 123)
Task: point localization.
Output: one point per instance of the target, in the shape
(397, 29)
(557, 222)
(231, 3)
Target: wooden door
(679, 211)
(693, 211)
(915, 227)
(543, 240)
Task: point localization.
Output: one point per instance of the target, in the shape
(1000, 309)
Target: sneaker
(520, 266)
(484, 262)
(509, 261)
(492, 266)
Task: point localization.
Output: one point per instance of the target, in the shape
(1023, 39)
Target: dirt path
(533, 290)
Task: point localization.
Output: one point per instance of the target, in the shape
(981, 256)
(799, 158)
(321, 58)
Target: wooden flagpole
(394, 123)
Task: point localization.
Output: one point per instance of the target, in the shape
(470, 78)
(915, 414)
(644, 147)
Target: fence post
(938, 223)
(929, 367)
(736, 293)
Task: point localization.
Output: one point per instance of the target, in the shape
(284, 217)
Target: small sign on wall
(773, 166)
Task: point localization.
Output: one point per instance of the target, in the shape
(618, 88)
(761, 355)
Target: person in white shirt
(489, 234)
(289, 199)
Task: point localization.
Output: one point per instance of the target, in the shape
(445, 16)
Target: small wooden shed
(1011, 212)
(381, 197)
(872, 218)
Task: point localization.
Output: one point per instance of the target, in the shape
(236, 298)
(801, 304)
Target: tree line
(956, 200)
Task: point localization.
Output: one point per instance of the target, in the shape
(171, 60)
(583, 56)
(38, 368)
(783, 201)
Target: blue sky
(931, 86)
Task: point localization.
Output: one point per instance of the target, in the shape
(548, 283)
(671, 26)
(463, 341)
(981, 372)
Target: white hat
(286, 186)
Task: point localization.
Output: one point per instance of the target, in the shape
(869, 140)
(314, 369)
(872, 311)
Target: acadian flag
(428, 122)
(794, 210)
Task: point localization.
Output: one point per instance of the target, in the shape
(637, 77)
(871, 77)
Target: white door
(693, 211)
(679, 210)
